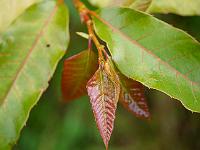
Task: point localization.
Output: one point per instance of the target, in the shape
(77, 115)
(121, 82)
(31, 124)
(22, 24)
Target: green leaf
(152, 52)
(134, 4)
(29, 52)
(181, 7)
(77, 71)
(10, 10)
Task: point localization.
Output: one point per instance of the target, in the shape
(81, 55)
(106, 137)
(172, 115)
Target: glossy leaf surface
(29, 52)
(104, 89)
(152, 52)
(133, 98)
(77, 71)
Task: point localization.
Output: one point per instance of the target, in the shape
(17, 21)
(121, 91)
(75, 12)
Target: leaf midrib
(104, 102)
(143, 48)
(37, 38)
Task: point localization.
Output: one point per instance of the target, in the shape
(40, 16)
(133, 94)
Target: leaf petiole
(85, 17)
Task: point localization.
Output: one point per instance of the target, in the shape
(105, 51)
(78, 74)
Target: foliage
(181, 7)
(28, 57)
(14, 9)
(104, 89)
(158, 50)
(77, 70)
(132, 97)
(34, 38)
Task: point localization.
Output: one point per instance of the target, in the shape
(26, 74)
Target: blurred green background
(54, 125)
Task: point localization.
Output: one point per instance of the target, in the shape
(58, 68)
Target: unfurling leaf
(132, 97)
(78, 69)
(104, 89)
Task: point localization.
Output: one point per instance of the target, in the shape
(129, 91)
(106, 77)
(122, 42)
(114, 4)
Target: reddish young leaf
(132, 97)
(78, 69)
(104, 89)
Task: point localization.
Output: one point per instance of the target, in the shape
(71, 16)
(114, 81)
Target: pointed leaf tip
(77, 70)
(104, 89)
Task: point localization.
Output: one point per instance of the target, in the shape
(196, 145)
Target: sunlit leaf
(142, 5)
(104, 89)
(11, 9)
(153, 53)
(29, 52)
(180, 7)
(133, 98)
(77, 71)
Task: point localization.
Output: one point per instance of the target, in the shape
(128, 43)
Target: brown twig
(86, 18)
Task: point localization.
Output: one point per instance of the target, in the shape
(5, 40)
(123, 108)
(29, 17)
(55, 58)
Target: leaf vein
(143, 48)
(39, 35)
